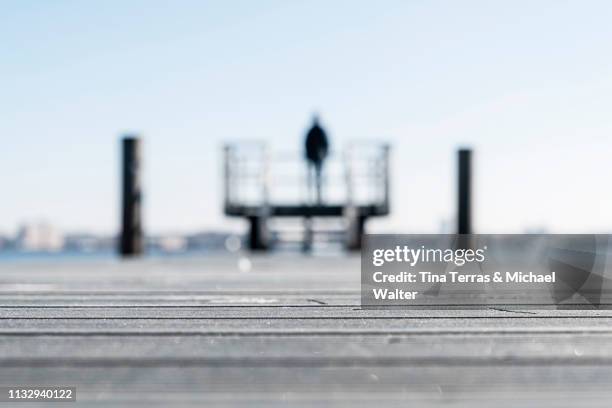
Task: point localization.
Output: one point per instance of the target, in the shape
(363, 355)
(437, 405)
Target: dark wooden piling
(131, 240)
(464, 194)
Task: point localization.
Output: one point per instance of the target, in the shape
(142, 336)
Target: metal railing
(257, 177)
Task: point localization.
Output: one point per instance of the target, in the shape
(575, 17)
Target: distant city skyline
(43, 237)
(527, 84)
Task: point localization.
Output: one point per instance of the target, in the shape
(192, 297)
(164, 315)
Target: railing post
(386, 175)
(265, 177)
(464, 193)
(227, 177)
(131, 240)
(348, 175)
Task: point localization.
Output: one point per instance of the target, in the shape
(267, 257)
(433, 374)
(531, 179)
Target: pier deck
(200, 332)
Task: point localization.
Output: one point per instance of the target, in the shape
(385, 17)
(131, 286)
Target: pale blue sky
(528, 84)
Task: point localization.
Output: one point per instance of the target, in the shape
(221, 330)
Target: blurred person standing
(316, 150)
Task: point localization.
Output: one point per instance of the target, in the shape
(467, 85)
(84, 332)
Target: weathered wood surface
(198, 332)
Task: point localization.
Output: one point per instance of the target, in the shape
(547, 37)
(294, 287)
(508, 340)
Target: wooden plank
(274, 311)
(298, 325)
(309, 350)
(423, 386)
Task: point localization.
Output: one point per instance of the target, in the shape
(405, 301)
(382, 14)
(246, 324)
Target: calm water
(12, 256)
(67, 256)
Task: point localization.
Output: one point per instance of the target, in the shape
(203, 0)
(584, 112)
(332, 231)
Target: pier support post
(355, 230)
(464, 193)
(308, 238)
(258, 233)
(131, 240)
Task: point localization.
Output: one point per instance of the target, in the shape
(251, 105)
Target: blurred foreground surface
(274, 330)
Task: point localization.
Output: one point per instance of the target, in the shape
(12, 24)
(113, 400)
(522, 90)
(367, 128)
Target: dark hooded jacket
(316, 145)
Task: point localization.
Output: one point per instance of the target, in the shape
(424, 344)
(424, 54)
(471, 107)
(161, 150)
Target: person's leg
(310, 187)
(310, 197)
(318, 169)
